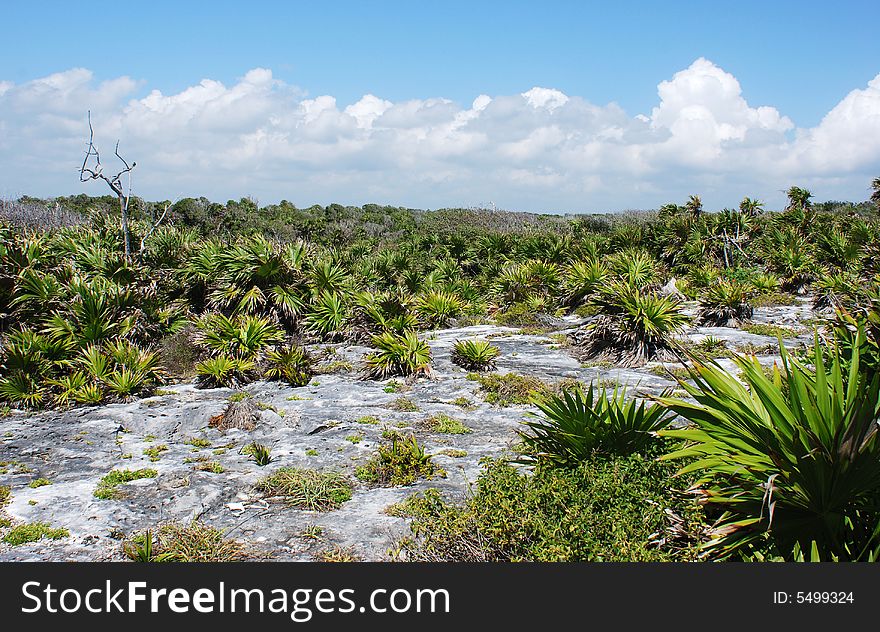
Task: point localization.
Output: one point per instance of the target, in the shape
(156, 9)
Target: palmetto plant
(402, 355)
(329, 277)
(838, 248)
(438, 307)
(475, 355)
(513, 284)
(36, 293)
(97, 310)
(291, 364)
(796, 475)
(124, 381)
(223, 370)
(22, 389)
(254, 277)
(241, 337)
(582, 279)
(575, 425)
(634, 327)
(724, 304)
(69, 387)
(328, 316)
(789, 255)
(634, 266)
(751, 207)
(835, 289)
(765, 283)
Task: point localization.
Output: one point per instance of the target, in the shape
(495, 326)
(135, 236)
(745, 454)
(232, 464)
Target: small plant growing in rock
(106, 489)
(40, 482)
(463, 402)
(444, 424)
(307, 489)
(5, 494)
(509, 389)
(312, 532)
(259, 453)
(213, 467)
(140, 549)
(775, 331)
(475, 355)
(394, 387)
(404, 405)
(155, 452)
(336, 554)
(454, 453)
(184, 543)
(33, 532)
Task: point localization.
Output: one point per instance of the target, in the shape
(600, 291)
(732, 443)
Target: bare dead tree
(96, 172)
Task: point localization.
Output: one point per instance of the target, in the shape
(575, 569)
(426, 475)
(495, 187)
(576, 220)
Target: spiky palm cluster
(635, 326)
(475, 355)
(725, 304)
(77, 319)
(398, 355)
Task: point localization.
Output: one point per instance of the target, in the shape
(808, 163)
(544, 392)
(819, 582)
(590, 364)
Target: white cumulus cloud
(537, 150)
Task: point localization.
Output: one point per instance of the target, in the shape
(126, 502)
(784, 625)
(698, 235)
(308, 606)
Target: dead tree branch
(96, 172)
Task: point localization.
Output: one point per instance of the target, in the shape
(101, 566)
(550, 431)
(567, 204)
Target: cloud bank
(541, 150)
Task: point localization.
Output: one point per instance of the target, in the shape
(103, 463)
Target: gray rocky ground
(315, 426)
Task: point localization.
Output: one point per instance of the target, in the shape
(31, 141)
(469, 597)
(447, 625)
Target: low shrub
(509, 389)
(179, 353)
(400, 462)
(623, 508)
(517, 315)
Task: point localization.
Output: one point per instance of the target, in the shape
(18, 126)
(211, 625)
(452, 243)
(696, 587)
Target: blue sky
(800, 58)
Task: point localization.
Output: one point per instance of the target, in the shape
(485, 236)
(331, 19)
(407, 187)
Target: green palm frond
(575, 425)
(792, 460)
